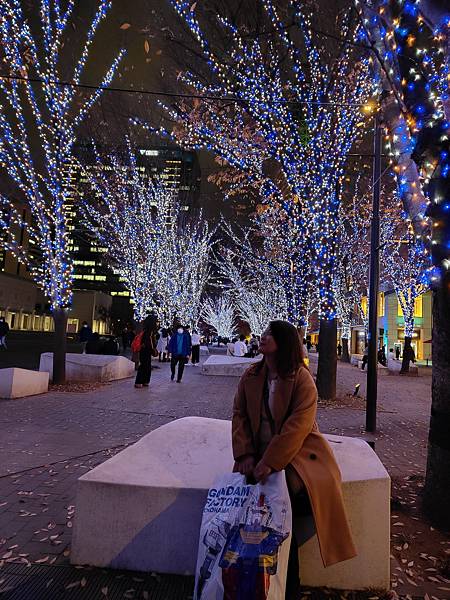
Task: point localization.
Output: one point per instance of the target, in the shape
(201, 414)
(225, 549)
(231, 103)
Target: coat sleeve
(286, 445)
(242, 437)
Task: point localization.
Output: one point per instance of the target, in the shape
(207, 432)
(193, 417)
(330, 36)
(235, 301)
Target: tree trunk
(345, 351)
(59, 350)
(326, 369)
(436, 499)
(406, 355)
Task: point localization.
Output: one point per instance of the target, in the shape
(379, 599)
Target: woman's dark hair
(290, 350)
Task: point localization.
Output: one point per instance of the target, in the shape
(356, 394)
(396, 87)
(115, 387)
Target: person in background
(110, 347)
(240, 347)
(180, 349)
(397, 352)
(84, 335)
(391, 354)
(93, 345)
(4, 330)
(381, 356)
(305, 353)
(145, 345)
(339, 349)
(161, 346)
(125, 338)
(195, 340)
(365, 357)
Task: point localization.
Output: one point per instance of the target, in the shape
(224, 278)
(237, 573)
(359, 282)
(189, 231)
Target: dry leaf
(7, 555)
(193, 7)
(105, 591)
(146, 47)
(72, 585)
(125, 26)
(83, 582)
(42, 560)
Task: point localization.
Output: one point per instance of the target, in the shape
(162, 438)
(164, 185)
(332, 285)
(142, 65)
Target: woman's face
(267, 345)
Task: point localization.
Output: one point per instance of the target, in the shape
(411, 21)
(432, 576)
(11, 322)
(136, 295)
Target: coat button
(313, 456)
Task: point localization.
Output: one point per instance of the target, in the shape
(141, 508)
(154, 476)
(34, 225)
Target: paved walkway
(47, 442)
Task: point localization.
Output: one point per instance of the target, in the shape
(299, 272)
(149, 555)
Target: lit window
(364, 305)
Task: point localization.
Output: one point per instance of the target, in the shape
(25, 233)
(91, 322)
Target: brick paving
(47, 442)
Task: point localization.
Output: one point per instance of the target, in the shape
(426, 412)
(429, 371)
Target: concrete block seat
(141, 509)
(18, 383)
(355, 359)
(395, 365)
(204, 350)
(229, 366)
(90, 367)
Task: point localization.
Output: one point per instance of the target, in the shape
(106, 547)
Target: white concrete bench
(90, 367)
(141, 510)
(395, 366)
(204, 350)
(18, 383)
(355, 359)
(229, 366)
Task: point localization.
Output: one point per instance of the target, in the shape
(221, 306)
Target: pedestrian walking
(145, 344)
(274, 429)
(365, 357)
(339, 349)
(195, 340)
(397, 352)
(4, 330)
(180, 349)
(84, 335)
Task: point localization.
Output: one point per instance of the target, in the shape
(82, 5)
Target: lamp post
(374, 276)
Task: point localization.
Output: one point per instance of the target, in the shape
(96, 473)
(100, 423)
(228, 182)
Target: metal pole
(371, 408)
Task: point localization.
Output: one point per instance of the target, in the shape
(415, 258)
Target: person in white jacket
(240, 347)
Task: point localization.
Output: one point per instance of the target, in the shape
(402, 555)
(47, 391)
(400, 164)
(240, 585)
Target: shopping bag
(244, 541)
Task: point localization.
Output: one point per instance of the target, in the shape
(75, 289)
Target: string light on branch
(38, 121)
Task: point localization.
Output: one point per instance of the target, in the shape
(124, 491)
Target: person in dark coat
(84, 335)
(93, 345)
(180, 348)
(4, 330)
(146, 351)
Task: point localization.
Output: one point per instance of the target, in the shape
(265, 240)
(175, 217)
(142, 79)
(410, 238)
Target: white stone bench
(141, 510)
(18, 383)
(204, 350)
(228, 366)
(395, 366)
(355, 359)
(90, 367)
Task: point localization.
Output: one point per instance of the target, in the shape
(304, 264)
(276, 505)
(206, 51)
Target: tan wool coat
(299, 443)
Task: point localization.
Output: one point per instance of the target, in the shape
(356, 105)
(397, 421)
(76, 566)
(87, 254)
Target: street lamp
(374, 276)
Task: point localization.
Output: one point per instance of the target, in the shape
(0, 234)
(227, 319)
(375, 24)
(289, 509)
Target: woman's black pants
(145, 367)
(195, 354)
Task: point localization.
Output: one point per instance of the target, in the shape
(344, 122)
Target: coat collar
(254, 388)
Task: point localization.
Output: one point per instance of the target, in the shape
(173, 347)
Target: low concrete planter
(227, 366)
(18, 383)
(90, 367)
(141, 510)
(395, 366)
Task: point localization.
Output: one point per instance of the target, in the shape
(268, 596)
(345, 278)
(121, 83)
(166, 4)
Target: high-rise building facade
(178, 169)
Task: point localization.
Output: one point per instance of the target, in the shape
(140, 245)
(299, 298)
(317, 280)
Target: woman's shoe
(138, 385)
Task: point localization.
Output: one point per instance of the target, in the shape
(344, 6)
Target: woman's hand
(246, 464)
(261, 472)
